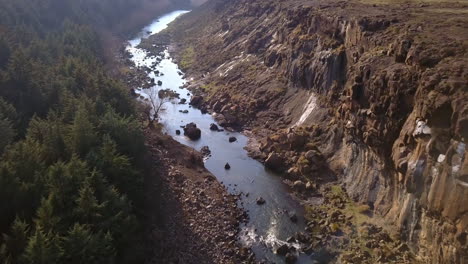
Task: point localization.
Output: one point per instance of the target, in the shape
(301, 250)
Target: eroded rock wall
(376, 100)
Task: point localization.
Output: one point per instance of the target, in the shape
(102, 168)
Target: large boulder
(274, 161)
(226, 119)
(196, 100)
(296, 141)
(192, 131)
(214, 127)
(314, 156)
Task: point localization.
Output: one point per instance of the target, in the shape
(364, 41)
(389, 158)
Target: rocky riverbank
(193, 218)
(371, 101)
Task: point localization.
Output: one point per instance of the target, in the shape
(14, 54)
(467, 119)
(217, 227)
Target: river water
(269, 224)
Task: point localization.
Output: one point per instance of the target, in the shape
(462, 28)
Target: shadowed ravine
(269, 225)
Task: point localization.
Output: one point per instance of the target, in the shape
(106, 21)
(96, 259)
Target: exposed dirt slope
(371, 93)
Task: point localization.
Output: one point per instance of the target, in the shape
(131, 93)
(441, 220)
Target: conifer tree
(88, 208)
(80, 245)
(15, 242)
(82, 136)
(41, 248)
(46, 218)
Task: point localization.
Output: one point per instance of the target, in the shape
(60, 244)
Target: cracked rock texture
(368, 93)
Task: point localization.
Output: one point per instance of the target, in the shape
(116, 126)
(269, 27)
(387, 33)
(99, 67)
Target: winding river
(269, 224)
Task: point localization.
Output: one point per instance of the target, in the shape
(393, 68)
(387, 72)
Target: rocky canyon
(363, 104)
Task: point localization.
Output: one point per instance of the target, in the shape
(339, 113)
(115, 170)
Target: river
(269, 224)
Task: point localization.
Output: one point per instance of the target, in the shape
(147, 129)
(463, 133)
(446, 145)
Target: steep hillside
(372, 94)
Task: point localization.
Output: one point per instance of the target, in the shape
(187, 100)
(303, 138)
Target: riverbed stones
(168, 94)
(214, 127)
(177, 132)
(184, 111)
(192, 131)
(232, 139)
(205, 151)
(183, 101)
(227, 166)
(260, 201)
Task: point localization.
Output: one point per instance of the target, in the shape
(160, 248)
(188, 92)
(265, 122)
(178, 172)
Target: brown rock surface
(377, 91)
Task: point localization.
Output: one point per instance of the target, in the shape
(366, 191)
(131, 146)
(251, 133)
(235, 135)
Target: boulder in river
(196, 100)
(214, 127)
(184, 111)
(160, 83)
(177, 132)
(167, 94)
(293, 217)
(227, 166)
(282, 250)
(232, 139)
(274, 161)
(183, 101)
(260, 201)
(192, 131)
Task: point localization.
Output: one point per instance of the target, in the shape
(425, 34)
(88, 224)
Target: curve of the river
(269, 224)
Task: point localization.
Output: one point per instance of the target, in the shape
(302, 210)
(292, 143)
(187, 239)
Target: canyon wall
(374, 96)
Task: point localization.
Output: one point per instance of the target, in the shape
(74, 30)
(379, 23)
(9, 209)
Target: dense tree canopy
(70, 146)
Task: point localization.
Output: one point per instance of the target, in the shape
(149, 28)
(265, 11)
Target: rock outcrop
(376, 100)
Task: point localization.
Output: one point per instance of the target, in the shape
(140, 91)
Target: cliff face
(374, 96)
